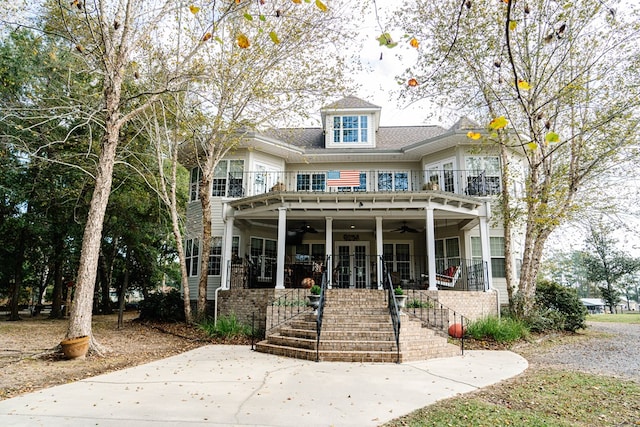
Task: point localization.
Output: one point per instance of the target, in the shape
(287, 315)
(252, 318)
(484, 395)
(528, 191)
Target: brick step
(364, 335)
(293, 342)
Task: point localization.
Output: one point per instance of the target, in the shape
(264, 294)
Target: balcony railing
(245, 184)
(360, 272)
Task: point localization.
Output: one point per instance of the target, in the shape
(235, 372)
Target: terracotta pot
(456, 330)
(74, 348)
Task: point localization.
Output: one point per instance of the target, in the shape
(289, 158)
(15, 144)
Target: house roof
(592, 301)
(387, 138)
(350, 102)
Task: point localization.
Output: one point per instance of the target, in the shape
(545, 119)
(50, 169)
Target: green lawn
(537, 398)
(615, 318)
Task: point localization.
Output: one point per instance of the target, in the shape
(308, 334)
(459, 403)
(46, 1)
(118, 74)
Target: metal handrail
(320, 311)
(393, 305)
(434, 314)
(286, 307)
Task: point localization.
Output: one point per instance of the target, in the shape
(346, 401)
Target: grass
(538, 398)
(501, 330)
(227, 327)
(633, 318)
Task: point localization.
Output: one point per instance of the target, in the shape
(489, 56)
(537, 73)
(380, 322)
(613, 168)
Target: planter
(314, 302)
(401, 300)
(75, 348)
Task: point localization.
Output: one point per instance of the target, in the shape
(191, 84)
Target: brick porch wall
(247, 302)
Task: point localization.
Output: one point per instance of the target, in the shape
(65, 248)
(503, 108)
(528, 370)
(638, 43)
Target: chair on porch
(449, 277)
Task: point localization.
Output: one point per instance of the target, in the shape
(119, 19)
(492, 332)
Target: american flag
(343, 178)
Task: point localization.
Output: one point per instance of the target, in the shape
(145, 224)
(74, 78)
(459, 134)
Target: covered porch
(292, 237)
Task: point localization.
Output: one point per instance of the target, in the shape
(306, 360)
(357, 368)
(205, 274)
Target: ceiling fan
(306, 228)
(405, 229)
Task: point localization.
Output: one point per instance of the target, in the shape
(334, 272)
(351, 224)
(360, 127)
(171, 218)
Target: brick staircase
(356, 327)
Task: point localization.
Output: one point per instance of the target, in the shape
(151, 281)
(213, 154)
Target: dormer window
(350, 129)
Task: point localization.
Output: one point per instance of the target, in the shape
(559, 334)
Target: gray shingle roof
(387, 138)
(350, 102)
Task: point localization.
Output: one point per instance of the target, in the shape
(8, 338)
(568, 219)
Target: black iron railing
(393, 307)
(435, 315)
(320, 313)
(471, 182)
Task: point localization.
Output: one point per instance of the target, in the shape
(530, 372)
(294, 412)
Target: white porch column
(379, 251)
(282, 237)
(485, 244)
(227, 245)
(329, 249)
(431, 248)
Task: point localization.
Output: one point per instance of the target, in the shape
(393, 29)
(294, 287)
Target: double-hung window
(393, 181)
(397, 256)
(194, 186)
(350, 129)
(447, 253)
(192, 250)
(263, 257)
(228, 179)
(311, 182)
(496, 247)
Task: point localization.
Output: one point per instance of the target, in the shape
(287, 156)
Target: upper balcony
(239, 184)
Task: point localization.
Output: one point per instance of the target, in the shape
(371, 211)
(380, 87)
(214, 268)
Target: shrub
(398, 291)
(560, 308)
(315, 290)
(416, 303)
(162, 307)
(503, 329)
(227, 327)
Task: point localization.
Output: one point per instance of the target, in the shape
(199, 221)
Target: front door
(351, 266)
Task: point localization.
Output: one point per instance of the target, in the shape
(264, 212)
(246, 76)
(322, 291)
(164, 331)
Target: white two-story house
(290, 204)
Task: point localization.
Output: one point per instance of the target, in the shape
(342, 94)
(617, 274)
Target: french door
(351, 265)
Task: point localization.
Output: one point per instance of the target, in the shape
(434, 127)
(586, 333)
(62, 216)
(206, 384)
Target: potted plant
(401, 298)
(75, 348)
(314, 298)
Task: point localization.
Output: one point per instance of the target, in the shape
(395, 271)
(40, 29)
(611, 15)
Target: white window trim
(329, 141)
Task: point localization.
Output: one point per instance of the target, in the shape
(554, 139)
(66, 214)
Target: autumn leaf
(532, 146)
(512, 25)
(523, 85)
(412, 82)
(474, 135)
(194, 9)
(498, 123)
(274, 37)
(248, 17)
(321, 6)
(552, 137)
(206, 37)
(297, 1)
(243, 41)
(385, 40)
(414, 42)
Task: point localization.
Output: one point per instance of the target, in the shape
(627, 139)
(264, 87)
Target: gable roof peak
(464, 123)
(350, 102)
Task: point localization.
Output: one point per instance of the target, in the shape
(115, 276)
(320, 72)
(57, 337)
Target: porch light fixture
(352, 226)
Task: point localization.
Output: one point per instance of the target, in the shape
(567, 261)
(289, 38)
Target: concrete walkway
(234, 386)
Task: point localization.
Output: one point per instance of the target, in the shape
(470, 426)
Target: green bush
(503, 329)
(559, 308)
(416, 303)
(162, 307)
(227, 327)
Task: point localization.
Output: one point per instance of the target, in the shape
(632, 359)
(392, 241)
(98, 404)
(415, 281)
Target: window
(350, 129)
(393, 181)
(228, 179)
(311, 182)
(442, 174)
(397, 258)
(483, 175)
(263, 257)
(497, 256)
(496, 245)
(306, 252)
(192, 249)
(447, 253)
(195, 184)
(215, 256)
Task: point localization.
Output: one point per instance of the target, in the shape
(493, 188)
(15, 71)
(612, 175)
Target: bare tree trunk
(205, 200)
(56, 298)
(80, 318)
(123, 291)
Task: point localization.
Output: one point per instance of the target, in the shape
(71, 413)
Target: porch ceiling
(358, 210)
